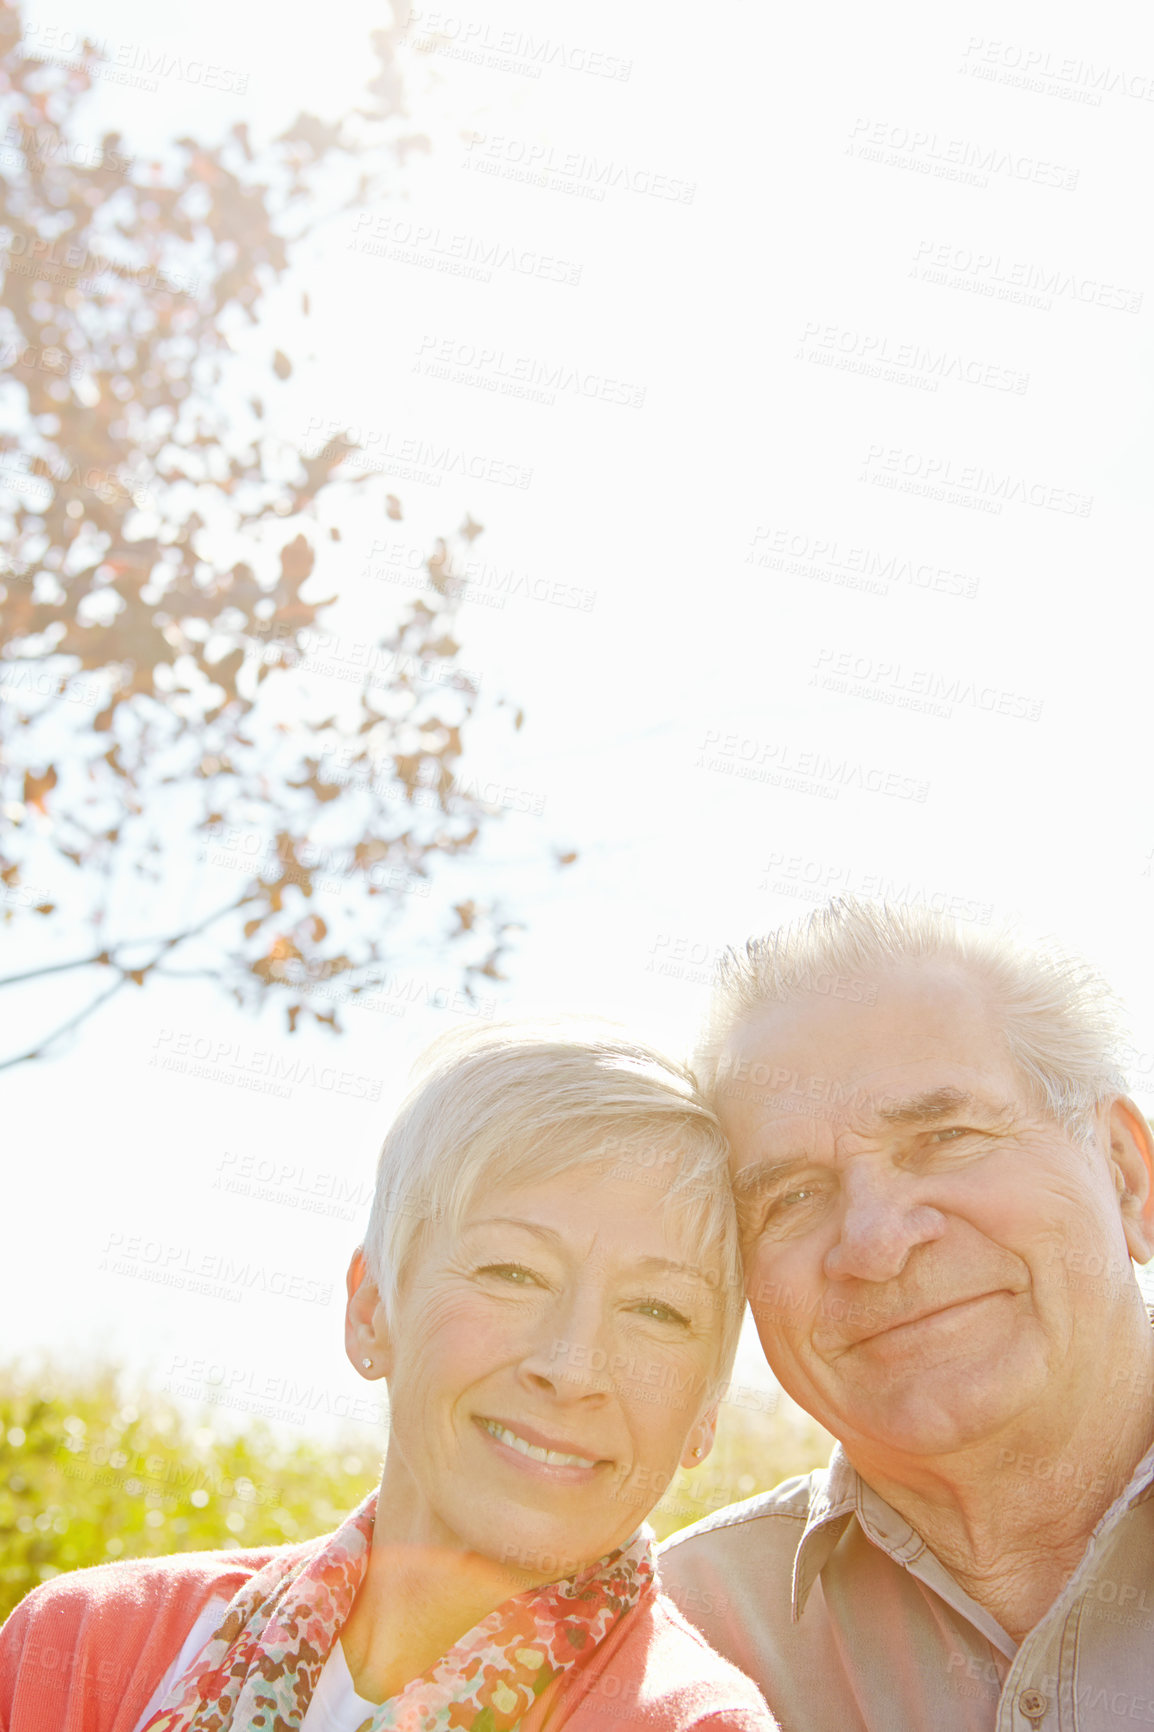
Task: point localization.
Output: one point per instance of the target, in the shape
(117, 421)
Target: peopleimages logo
(830, 560)
(571, 171)
(1024, 282)
(805, 772)
(474, 257)
(229, 1061)
(486, 43)
(962, 159)
(211, 1274)
(940, 477)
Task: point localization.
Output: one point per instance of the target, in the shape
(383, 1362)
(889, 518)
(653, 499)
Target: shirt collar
(838, 1493)
(833, 1501)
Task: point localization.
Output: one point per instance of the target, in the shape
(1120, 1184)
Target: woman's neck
(414, 1604)
(420, 1594)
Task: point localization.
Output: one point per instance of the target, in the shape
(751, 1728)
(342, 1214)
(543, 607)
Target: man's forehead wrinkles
(783, 1086)
(800, 1134)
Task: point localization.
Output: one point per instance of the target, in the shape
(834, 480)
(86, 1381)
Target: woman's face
(549, 1365)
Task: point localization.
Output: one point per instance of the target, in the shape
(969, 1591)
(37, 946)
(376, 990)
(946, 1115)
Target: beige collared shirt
(828, 1598)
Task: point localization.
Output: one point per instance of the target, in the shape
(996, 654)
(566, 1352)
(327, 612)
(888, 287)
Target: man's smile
(902, 1328)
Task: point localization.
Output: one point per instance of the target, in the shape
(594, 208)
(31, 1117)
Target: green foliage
(755, 1450)
(90, 1472)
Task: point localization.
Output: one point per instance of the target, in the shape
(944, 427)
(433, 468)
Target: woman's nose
(572, 1351)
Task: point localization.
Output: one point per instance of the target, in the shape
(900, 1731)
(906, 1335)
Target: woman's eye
(511, 1272)
(663, 1313)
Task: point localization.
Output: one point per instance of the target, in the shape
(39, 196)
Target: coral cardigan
(85, 1651)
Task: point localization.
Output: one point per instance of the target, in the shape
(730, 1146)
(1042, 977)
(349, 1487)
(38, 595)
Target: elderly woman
(550, 1286)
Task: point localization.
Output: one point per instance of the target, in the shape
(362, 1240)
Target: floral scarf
(262, 1665)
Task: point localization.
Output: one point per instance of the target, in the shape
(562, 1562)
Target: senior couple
(933, 1188)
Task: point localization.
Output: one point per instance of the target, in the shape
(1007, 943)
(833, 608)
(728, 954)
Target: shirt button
(1032, 1704)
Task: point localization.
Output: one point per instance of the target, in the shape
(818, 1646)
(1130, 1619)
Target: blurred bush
(762, 1438)
(91, 1471)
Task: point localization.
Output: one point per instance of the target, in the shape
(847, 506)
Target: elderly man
(942, 1187)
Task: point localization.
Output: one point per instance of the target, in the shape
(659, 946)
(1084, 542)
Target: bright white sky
(824, 336)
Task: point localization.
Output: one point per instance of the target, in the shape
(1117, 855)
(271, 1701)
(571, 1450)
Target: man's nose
(882, 1221)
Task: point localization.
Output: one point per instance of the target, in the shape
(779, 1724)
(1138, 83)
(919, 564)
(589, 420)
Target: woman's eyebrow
(546, 1233)
(670, 1266)
(642, 1265)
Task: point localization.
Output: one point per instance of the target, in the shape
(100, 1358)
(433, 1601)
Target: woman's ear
(366, 1329)
(700, 1440)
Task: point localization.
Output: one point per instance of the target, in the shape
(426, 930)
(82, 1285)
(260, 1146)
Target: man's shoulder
(785, 1509)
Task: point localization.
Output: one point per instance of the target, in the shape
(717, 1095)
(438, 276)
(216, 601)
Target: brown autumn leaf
(203, 229)
(37, 787)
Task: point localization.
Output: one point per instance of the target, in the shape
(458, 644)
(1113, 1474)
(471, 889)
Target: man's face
(929, 1259)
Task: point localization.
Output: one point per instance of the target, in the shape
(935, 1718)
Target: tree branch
(107, 959)
(66, 1027)
(126, 974)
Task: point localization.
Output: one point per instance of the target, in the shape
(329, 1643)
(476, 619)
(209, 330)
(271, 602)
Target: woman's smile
(530, 1448)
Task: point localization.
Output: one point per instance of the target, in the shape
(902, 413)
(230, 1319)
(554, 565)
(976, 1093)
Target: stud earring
(367, 1363)
(696, 1451)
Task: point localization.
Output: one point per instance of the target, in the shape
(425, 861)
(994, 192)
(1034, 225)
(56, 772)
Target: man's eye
(794, 1199)
(952, 1134)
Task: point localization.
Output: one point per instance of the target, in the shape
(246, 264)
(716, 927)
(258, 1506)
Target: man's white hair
(1061, 1022)
(518, 1104)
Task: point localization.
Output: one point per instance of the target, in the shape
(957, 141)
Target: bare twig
(66, 1027)
(125, 975)
(106, 958)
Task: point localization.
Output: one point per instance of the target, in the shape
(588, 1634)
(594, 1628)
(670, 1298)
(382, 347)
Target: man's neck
(1011, 1518)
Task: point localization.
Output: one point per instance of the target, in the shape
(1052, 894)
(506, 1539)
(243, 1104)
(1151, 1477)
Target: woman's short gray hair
(1061, 1022)
(518, 1104)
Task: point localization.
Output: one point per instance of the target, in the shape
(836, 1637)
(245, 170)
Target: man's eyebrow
(938, 1104)
(765, 1174)
(924, 1109)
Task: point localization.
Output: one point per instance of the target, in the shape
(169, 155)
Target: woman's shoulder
(146, 1583)
(655, 1669)
(101, 1633)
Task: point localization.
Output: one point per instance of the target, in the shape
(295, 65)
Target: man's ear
(366, 1329)
(701, 1438)
(1132, 1161)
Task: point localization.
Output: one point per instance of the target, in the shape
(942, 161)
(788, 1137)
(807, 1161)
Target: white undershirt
(335, 1705)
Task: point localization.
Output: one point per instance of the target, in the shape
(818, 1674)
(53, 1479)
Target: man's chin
(933, 1415)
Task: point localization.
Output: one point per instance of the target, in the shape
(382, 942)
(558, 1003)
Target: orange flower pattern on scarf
(261, 1666)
